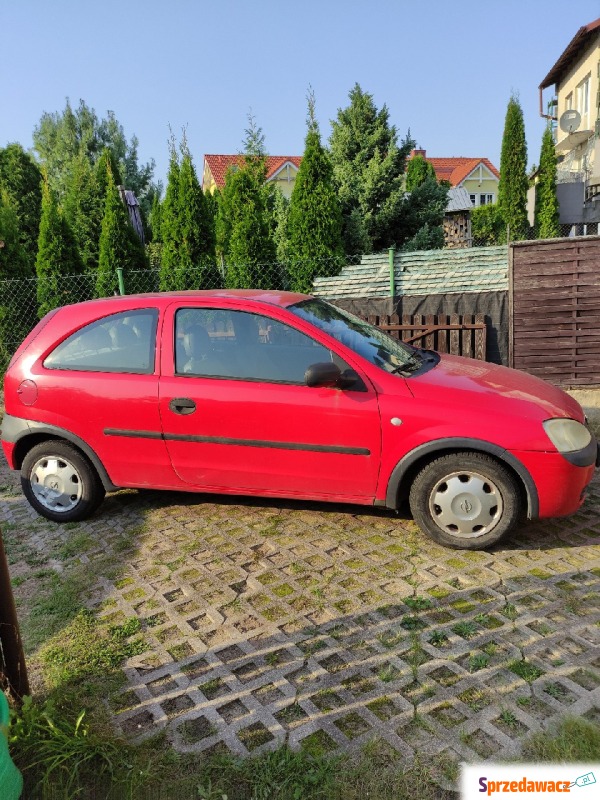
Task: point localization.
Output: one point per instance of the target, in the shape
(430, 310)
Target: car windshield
(365, 339)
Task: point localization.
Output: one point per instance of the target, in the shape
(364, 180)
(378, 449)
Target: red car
(277, 394)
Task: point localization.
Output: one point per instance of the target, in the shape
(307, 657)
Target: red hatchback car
(277, 394)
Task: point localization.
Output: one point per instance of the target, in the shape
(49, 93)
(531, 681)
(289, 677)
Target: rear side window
(119, 343)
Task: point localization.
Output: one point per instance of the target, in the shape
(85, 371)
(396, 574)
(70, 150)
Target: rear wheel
(465, 500)
(60, 483)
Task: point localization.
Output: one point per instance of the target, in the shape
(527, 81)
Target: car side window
(119, 343)
(219, 343)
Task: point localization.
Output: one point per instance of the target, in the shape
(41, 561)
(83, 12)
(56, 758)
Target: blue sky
(444, 69)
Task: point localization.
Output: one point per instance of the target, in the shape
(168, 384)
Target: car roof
(272, 297)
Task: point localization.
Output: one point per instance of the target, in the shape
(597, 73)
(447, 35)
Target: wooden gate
(555, 310)
(457, 334)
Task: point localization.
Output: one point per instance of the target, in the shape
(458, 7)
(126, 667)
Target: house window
(481, 199)
(583, 101)
(569, 101)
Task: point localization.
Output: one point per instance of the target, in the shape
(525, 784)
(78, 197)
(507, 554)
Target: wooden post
(10, 639)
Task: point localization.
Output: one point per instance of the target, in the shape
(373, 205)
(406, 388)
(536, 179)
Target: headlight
(567, 435)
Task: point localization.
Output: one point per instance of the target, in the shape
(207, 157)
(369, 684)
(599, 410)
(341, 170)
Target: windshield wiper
(412, 364)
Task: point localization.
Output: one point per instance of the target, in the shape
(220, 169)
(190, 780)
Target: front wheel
(466, 501)
(60, 483)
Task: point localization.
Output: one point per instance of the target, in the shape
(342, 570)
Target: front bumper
(560, 481)
(586, 457)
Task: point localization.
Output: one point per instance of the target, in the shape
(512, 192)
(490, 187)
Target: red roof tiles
(455, 169)
(219, 165)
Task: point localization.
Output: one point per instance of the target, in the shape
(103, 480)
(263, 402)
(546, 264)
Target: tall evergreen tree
(61, 136)
(107, 165)
(547, 223)
(513, 185)
(244, 220)
(13, 257)
(14, 265)
(187, 229)
(196, 268)
(250, 256)
(58, 263)
(281, 212)
(156, 220)
(83, 207)
(419, 226)
(315, 214)
(21, 178)
(119, 244)
(417, 172)
(368, 167)
(170, 232)
(487, 225)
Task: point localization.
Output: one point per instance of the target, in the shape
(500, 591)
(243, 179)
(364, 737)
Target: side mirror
(325, 373)
(328, 374)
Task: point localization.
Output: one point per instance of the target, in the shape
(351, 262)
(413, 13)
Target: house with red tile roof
(281, 170)
(478, 176)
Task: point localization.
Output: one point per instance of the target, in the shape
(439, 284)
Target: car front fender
(411, 462)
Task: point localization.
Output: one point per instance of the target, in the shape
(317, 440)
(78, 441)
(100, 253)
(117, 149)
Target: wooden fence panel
(555, 310)
(464, 335)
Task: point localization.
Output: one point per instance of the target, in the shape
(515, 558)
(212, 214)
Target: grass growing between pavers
(68, 756)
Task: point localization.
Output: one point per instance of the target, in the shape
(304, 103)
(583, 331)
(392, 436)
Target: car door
(237, 415)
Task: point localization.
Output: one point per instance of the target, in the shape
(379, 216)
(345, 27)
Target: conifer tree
(417, 172)
(83, 208)
(315, 214)
(251, 251)
(13, 265)
(170, 223)
(21, 178)
(244, 222)
(368, 167)
(61, 137)
(13, 258)
(487, 225)
(58, 263)
(547, 223)
(196, 268)
(105, 166)
(512, 188)
(281, 210)
(156, 219)
(119, 244)
(187, 229)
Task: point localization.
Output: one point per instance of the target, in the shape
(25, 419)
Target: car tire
(467, 501)
(60, 483)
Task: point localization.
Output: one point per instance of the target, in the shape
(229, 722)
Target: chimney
(418, 152)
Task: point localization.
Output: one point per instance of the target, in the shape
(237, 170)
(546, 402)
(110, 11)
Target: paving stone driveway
(330, 626)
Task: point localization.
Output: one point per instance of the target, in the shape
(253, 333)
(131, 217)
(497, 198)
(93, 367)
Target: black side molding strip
(181, 437)
(133, 434)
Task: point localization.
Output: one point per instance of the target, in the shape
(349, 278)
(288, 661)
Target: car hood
(497, 388)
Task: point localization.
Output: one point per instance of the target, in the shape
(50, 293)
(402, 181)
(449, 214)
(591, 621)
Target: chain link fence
(23, 302)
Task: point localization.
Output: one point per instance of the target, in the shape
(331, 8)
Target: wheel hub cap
(56, 484)
(466, 504)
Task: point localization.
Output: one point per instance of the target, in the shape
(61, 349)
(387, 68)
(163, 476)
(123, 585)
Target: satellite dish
(570, 121)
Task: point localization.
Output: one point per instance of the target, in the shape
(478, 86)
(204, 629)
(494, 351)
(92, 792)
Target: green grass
(524, 669)
(86, 649)
(573, 740)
